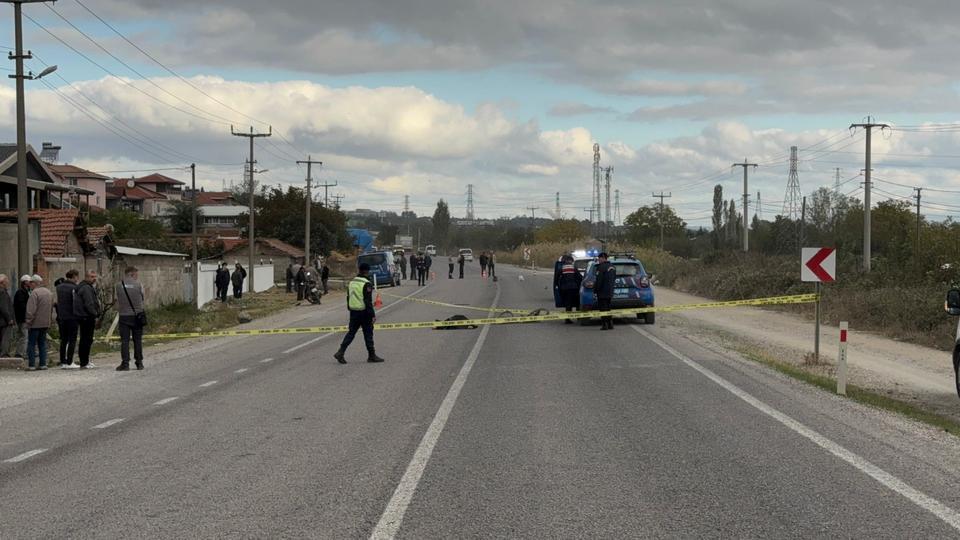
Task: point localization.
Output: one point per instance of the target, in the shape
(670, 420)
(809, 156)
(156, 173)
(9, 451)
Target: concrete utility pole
(470, 214)
(326, 192)
(24, 264)
(533, 214)
(557, 209)
(746, 203)
(193, 233)
(251, 243)
(868, 127)
(801, 238)
(306, 235)
(661, 196)
(918, 220)
(337, 198)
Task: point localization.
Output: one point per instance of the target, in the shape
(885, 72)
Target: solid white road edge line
(324, 336)
(241, 370)
(208, 383)
(392, 517)
(25, 455)
(945, 513)
(167, 400)
(108, 423)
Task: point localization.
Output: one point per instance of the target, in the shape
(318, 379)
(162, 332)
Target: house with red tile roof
(126, 194)
(76, 177)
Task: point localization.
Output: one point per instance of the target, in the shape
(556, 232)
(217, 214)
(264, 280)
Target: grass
(855, 393)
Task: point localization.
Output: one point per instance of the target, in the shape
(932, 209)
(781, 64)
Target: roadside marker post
(818, 265)
(842, 361)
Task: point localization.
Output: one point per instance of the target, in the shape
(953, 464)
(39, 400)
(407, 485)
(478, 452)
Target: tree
(718, 214)
(180, 216)
(441, 223)
(128, 224)
(280, 215)
(388, 235)
(643, 226)
(560, 230)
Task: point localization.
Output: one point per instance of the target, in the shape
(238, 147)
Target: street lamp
(23, 237)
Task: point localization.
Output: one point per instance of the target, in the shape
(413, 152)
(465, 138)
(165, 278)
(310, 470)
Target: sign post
(842, 361)
(818, 265)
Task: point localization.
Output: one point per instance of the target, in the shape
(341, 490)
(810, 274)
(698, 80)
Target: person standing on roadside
(40, 314)
(413, 267)
(567, 281)
(301, 282)
(362, 315)
(403, 266)
(491, 265)
(461, 261)
(239, 274)
(222, 281)
(421, 269)
(325, 275)
(483, 263)
(429, 262)
(86, 307)
(66, 319)
(450, 264)
(20, 299)
(8, 322)
(606, 279)
(130, 300)
(290, 278)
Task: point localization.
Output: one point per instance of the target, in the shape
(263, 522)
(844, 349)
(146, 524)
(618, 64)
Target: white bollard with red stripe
(842, 361)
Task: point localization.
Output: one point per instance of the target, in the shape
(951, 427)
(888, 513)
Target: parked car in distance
(633, 288)
(467, 254)
(952, 306)
(431, 250)
(383, 272)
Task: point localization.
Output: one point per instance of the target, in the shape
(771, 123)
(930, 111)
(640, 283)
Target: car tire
(650, 318)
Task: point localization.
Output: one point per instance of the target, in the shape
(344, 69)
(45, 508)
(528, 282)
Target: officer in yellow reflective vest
(362, 315)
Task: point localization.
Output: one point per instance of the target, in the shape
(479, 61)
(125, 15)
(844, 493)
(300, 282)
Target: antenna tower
(595, 214)
(791, 200)
(406, 204)
(616, 206)
(470, 202)
(608, 178)
(558, 215)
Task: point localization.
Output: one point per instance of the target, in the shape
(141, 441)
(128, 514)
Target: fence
(207, 290)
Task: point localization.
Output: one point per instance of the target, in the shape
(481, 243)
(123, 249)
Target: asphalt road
(528, 431)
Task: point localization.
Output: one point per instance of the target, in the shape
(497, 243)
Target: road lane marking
(208, 383)
(392, 517)
(167, 400)
(25, 455)
(266, 360)
(943, 512)
(108, 423)
(324, 336)
(241, 370)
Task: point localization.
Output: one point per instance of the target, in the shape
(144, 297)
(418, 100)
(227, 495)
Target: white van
(467, 254)
(431, 250)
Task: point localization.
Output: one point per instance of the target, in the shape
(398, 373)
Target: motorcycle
(313, 292)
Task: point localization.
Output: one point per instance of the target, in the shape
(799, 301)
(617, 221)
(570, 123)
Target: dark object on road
(244, 317)
(362, 315)
(457, 327)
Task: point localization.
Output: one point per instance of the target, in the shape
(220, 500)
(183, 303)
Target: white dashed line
(25, 455)
(167, 400)
(304, 344)
(208, 383)
(266, 360)
(241, 370)
(108, 423)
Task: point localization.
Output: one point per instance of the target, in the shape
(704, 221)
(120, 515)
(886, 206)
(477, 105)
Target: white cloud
(538, 170)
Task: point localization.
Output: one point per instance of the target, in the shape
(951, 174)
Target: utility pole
(337, 198)
(24, 264)
(759, 211)
(470, 215)
(868, 127)
(533, 214)
(803, 225)
(616, 206)
(193, 228)
(596, 187)
(661, 196)
(746, 202)
(589, 212)
(251, 243)
(918, 222)
(557, 210)
(406, 204)
(326, 186)
(306, 236)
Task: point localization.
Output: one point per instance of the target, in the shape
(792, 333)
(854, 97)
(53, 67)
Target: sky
(423, 97)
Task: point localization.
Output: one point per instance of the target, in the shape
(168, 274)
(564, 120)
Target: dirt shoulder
(904, 371)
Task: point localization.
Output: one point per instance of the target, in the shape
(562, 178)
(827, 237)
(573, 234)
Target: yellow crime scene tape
(458, 306)
(769, 301)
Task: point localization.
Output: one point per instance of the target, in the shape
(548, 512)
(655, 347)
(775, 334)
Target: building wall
(8, 247)
(280, 259)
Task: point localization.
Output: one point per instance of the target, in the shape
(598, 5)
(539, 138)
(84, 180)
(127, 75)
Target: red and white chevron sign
(818, 264)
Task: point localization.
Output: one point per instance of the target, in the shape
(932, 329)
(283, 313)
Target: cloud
(677, 88)
(577, 109)
(538, 170)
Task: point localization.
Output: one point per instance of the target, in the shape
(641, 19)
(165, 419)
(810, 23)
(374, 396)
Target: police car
(632, 289)
(952, 306)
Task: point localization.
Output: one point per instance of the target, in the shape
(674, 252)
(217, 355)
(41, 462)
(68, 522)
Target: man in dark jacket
(461, 261)
(20, 299)
(421, 269)
(66, 319)
(8, 323)
(290, 278)
(403, 266)
(606, 280)
(429, 262)
(301, 282)
(222, 281)
(362, 314)
(567, 281)
(413, 267)
(86, 307)
(239, 274)
(325, 275)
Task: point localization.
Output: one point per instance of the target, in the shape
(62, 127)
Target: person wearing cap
(40, 315)
(20, 313)
(362, 315)
(8, 323)
(606, 279)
